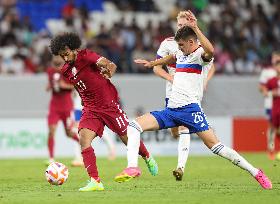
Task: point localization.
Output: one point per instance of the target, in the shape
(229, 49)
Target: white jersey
(267, 74)
(77, 102)
(188, 79)
(168, 47)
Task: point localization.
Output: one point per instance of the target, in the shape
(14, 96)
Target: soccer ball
(56, 173)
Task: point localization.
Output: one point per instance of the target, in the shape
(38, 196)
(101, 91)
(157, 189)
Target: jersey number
(120, 120)
(81, 85)
(198, 118)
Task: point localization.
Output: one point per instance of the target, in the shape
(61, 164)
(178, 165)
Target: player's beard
(71, 63)
(74, 59)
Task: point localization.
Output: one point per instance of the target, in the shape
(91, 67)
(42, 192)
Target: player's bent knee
(51, 134)
(86, 137)
(51, 131)
(84, 142)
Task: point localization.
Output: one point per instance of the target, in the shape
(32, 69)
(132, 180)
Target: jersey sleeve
(162, 50)
(201, 61)
(263, 78)
(178, 54)
(93, 57)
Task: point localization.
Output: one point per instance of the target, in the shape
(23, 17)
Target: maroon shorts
(275, 118)
(113, 117)
(66, 116)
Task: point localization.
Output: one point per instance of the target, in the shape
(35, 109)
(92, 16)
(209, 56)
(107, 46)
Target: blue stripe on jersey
(194, 66)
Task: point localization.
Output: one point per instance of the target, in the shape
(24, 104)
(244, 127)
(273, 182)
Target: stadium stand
(244, 32)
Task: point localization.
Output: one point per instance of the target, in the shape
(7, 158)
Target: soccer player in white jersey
(167, 47)
(265, 75)
(105, 136)
(183, 106)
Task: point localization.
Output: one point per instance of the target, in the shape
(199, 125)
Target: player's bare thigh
(208, 137)
(86, 137)
(147, 122)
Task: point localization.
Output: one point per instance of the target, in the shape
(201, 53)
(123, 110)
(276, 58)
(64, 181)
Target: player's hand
(106, 73)
(191, 19)
(143, 62)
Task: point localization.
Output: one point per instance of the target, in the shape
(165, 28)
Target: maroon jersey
(96, 92)
(274, 84)
(61, 100)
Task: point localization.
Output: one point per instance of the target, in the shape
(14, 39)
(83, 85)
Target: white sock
(133, 133)
(183, 148)
(108, 140)
(234, 157)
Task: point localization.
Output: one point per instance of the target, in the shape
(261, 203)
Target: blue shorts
(268, 114)
(78, 115)
(190, 116)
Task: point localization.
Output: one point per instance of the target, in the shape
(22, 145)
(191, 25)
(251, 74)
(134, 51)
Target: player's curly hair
(59, 42)
(184, 33)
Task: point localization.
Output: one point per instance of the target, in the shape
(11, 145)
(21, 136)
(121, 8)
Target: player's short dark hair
(184, 33)
(59, 42)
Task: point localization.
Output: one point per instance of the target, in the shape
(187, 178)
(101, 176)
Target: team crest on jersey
(74, 72)
(182, 58)
(56, 76)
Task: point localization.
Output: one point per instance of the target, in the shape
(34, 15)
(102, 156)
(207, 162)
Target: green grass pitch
(207, 179)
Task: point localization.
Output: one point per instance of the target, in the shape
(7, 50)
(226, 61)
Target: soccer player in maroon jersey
(90, 73)
(273, 85)
(60, 106)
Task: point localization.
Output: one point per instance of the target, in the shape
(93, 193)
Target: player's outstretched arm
(159, 71)
(209, 75)
(169, 59)
(205, 43)
(107, 67)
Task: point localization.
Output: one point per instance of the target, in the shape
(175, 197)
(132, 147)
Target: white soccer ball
(56, 173)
